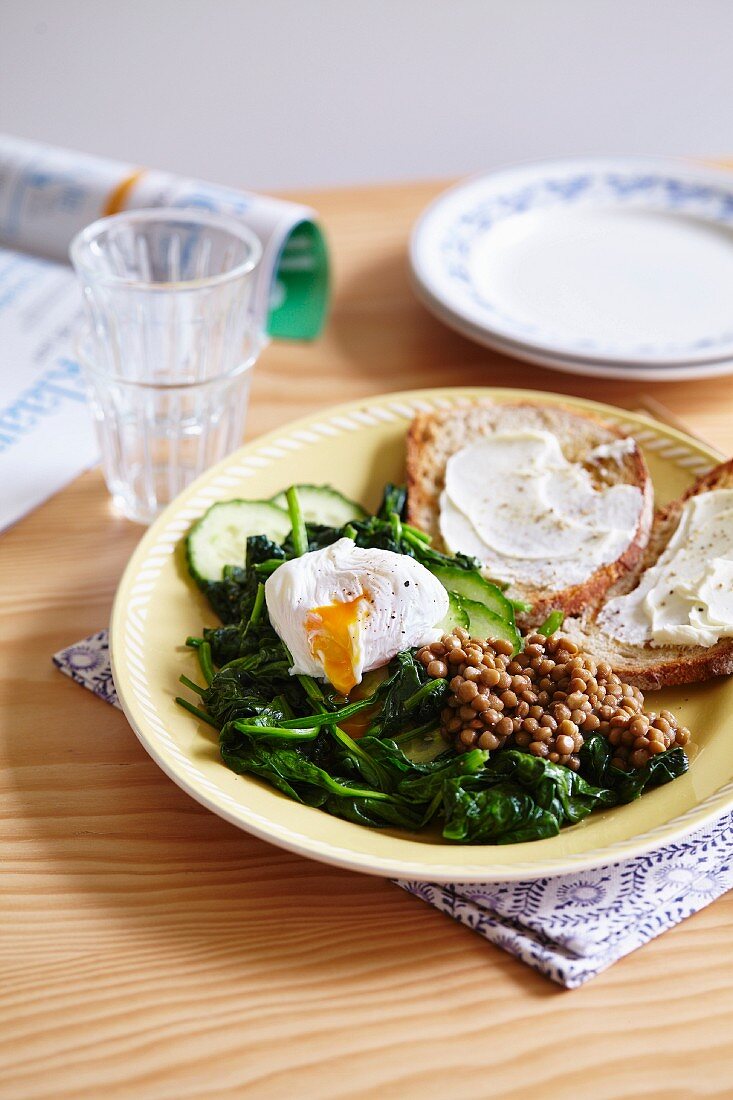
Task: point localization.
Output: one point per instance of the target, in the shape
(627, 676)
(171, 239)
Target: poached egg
(343, 611)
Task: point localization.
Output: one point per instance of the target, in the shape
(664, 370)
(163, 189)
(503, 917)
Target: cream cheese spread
(686, 598)
(615, 451)
(515, 502)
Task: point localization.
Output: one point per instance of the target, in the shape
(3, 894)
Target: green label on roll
(300, 287)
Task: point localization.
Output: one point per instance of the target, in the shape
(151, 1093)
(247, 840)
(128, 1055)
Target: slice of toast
(649, 667)
(434, 437)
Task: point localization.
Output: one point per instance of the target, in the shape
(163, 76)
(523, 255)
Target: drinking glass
(169, 346)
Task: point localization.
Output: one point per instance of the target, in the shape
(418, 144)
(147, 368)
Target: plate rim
(567, 364)
(251, 821)
(687, 169)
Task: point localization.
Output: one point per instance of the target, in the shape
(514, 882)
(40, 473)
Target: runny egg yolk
(333, 638)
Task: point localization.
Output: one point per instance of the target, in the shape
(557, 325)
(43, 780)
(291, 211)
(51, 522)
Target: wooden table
(149, 949)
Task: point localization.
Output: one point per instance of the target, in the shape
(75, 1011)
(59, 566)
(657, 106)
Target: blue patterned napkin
(569, 928)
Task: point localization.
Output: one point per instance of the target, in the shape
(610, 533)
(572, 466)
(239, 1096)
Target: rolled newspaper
(47, 195)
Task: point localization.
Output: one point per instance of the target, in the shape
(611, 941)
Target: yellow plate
(356, 448)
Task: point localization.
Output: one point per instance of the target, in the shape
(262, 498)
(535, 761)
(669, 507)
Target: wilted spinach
(501, 814)
(518, 797)
(596, 766)
(409, 696)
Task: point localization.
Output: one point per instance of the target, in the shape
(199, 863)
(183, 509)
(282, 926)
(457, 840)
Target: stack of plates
(613, 268)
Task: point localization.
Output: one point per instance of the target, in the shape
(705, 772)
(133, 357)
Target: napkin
(569, 927)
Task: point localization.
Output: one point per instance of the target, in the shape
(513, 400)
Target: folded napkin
(569, 928)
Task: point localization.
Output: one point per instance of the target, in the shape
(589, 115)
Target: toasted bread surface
(434, 437)
(648, 666)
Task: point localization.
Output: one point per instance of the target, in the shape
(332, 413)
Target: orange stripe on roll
(118, 198)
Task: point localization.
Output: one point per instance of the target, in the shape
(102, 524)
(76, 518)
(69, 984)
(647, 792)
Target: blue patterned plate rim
(442, 239)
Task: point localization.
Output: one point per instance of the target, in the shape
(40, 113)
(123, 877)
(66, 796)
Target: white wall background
(298, 93)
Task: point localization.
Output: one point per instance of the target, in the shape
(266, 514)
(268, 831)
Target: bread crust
(434, 436)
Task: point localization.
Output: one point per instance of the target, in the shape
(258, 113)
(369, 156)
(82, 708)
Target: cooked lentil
(544, 700)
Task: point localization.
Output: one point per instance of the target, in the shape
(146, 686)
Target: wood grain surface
(150, 950)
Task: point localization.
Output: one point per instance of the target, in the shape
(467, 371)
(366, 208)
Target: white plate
(638, 372)
(603, 260)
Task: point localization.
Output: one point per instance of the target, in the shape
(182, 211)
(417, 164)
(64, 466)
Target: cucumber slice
(456, 616)
(552, 623)
(219, 538)
(423, 748)
(485, 624)
(470, 585)
(322, 504)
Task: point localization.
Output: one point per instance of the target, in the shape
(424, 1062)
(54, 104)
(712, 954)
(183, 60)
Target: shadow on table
(381, 328)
